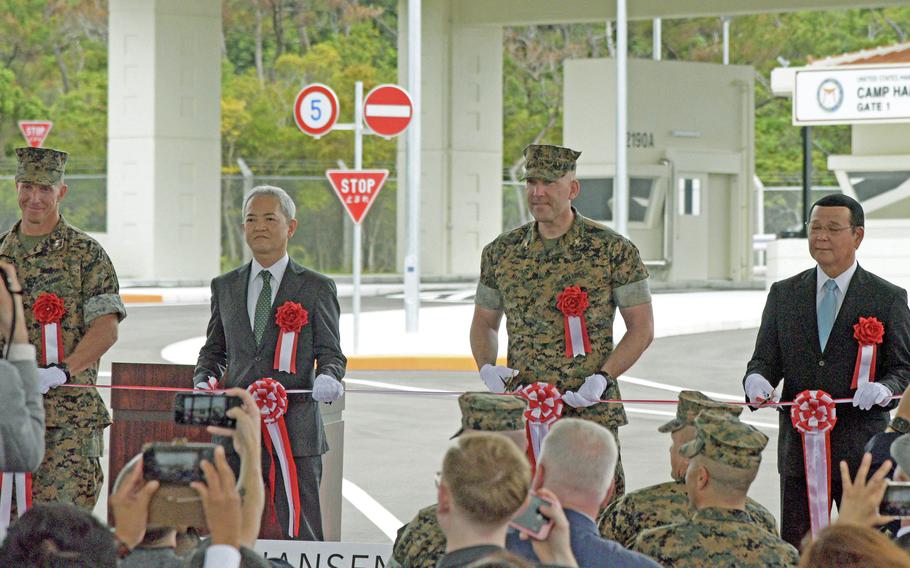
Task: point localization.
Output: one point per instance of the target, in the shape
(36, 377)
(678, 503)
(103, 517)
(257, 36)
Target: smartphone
(205, 409)
(531, 521)
(176, 462)
(896, 502)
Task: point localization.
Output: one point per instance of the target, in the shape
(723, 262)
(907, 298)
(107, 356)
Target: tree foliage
(53, 65)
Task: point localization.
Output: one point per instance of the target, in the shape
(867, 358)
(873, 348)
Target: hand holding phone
(531, 521)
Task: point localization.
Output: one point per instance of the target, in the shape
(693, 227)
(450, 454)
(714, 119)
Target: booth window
(595, 201)
(689, 196)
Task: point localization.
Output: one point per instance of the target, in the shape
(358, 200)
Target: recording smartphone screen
(896, 501)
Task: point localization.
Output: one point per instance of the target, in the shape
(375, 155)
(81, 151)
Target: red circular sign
(387, 110)
(316, 109)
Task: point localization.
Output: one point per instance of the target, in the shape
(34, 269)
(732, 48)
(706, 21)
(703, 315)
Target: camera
(896, 502)
(204, 409)
(177, 462)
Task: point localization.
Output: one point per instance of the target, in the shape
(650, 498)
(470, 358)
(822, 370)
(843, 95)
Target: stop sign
(387, 110)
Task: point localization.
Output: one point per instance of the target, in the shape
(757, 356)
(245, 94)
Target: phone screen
(896, 501)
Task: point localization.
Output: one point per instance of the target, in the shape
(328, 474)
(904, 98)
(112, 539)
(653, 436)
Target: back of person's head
(580, 456)
(52, 535)
(487, 477)
(852, 546)
(248, 558)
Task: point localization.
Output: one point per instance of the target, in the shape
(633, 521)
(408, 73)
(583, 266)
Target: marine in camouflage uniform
(667, 503)
(421, 543)
(718, 537)
(72, 265)
(521, 275)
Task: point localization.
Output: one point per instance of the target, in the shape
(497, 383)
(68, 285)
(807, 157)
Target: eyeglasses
(832, 230)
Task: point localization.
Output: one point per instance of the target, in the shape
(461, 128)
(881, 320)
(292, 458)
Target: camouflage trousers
(71, 470)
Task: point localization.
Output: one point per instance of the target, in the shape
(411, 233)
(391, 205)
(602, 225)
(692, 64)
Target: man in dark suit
(242, 337)
(806, 339)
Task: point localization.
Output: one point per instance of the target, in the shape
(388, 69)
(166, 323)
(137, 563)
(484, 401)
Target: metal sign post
(315, 111)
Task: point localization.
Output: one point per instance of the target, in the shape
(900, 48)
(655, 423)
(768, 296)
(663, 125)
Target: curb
(414, 363)
(142, 298)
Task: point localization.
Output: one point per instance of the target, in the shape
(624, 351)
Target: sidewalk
(442, 342)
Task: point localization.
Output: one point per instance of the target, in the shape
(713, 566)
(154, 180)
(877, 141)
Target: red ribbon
(573, 302)
(290, 318)
(814, 414)
(868, 332)
(272, 400)
(545, 407)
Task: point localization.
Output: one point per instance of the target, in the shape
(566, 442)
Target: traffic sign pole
(358, 165)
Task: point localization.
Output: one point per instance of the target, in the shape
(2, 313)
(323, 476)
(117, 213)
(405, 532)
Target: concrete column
(461, 178)
(164, 141)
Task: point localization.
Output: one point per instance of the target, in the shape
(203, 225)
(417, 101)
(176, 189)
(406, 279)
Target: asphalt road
(394, 444)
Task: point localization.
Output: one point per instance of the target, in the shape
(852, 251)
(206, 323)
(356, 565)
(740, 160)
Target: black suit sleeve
(766, 359)
(326, 337)
(895, 349)
(213, 355)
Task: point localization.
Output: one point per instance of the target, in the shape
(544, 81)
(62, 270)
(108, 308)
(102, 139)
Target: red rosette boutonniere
(290, 318)
(49, 310)
(869, 333)
(572, 302)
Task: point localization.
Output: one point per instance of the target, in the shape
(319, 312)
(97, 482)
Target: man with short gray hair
(577, 463)
(274, 318)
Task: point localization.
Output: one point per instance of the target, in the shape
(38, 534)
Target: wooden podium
(141, 416)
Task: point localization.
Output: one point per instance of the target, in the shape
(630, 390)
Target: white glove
(327, 389)
(589, 393)
(759, 390)
(50, 378)
(495, 377)
(210, 384)
(868, 394)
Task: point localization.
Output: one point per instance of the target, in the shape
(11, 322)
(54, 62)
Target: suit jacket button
(820, 363)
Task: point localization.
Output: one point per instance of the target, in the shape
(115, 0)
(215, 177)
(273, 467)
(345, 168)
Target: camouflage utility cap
(900, 452)
(548, 163)
(721, 437)
(491, 412)
(41, 166)
(691, 403)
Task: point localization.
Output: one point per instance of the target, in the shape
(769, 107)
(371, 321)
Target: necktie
(827, 311)
(263, 306)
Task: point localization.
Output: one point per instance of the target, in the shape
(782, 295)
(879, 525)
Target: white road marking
(371, 509)
(674, 388)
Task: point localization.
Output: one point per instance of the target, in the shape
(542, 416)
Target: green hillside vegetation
(53, 66)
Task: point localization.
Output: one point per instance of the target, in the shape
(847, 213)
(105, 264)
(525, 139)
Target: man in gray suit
(242, 337)
(806, 339)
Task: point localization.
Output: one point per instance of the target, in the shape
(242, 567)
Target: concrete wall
(461, 182)
(700, 120)
(164, 143)
(885, 251)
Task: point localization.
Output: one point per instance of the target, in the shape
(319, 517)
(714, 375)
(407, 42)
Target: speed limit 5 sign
(316, 109)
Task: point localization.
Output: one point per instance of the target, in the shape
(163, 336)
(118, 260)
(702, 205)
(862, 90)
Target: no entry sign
(387, 110)
(35, 131)
(316, 109)
(357, 189)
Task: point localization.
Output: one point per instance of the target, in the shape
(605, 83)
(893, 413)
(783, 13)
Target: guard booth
(690, 156)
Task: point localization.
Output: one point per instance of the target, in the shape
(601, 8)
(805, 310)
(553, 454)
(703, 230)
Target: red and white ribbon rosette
(573, 302)
(272, 400)
(544, 408)
(22, 483)
(869, 333)
(49, 311)
(290, 317)
(814, 415)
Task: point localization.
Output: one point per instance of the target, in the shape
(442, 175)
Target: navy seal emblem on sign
(830, 95)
